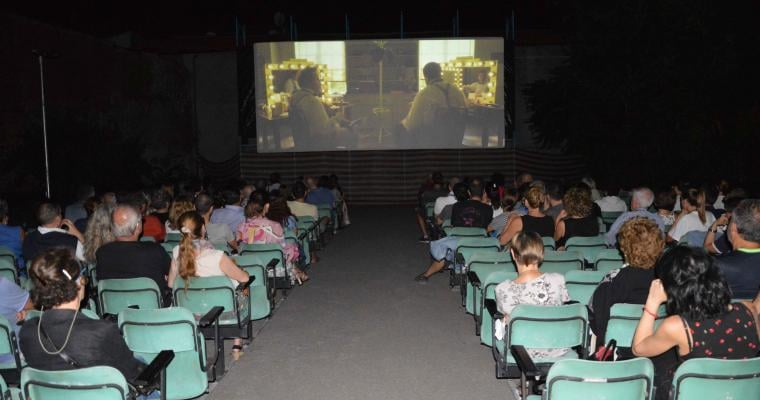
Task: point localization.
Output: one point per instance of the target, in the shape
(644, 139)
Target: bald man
(127, 257)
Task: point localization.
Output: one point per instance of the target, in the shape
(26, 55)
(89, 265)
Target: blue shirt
(624, 217)
(321, 196)
(10, 237)
(231, 215)
(12, 300)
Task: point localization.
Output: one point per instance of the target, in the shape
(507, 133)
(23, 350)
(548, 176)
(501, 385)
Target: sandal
(237, 351)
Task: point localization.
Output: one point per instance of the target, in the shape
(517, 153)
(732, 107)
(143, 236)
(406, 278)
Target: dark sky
(193, 17)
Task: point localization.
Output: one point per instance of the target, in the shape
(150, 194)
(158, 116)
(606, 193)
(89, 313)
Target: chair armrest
(244, 285)
(459, 258)
(272, 263)
(473, 278)
(490, 306)
(152, 372)
(571, 302)
(523, 360)
(211, 316)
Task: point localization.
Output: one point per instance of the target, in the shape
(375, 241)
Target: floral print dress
(261, 231)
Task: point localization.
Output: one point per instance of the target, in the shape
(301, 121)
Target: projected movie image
(380, 95)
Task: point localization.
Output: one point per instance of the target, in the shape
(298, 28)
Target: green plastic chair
(260, 290)
(709, 378)
(582, 284)
(467, 232)
(8, 270)
(489, 293)
(169, 247)
(308, 224)
(148, 332)
(430, 210)
(325, 213)
(10, 370)
(549, 243)
(562, 261)
(590, 246)
(93, 383)
(608, 259)
(466, 247)
(7, 254)
(147, 239)
(609, 217)
(115, 295)
(624, 318)
(594, 380)
(7, 393)
(265, 253)
(223, 247)
(481, 264)
(204, 293)
(173, 237)
(541, 327)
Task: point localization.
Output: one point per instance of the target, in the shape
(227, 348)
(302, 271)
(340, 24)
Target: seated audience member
(723, 189)
(611, 204)
(10, 236)
(244, 190)
(126, 256)
(232, 213)
(468, 211)
(499, 222)
(641, 199)
(217, 234)
(258, 229)
(493, 198)
(717, 238)
(447, 199)
(195, 256)
(89, 207)
(711, 196)
(50, 233)
(319, 193)
(429, 192)
(280, 212)
(693, 216)
(14, 303)
(531, 285)
(533, 221)
(554, 194)
(589, 181)
(701, 321)
(522, 178)
(274, 183)
(98, 232)
(577, 218)
(180, 205)
(76, 210)
(741, 267)
(664, 203)
(461, 193)
(641, 242)
(58, 291)
(151, 225)
(298, 206)
(160, 200)
(334, 186)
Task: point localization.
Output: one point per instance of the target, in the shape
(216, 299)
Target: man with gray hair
(127, 257)
(741, 267)
(641, 199)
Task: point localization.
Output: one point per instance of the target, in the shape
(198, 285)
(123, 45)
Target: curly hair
(535, 197)
(180, 206)
(693, 284)
(577, 202)
(641, 242)
(52, 286)
(98, 231)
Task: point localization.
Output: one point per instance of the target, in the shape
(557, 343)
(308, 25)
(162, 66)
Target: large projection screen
(379, 94)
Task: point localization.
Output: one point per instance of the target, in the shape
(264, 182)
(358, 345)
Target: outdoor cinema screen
(379, 94)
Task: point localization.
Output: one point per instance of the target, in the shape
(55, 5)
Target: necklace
(68, 334)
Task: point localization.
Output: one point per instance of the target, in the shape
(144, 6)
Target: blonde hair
(190, 225)
(178, 208)
(528, 248)
(535, 197)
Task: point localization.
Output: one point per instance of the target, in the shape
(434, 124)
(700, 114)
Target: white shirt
(443, 201)
(80, 249)
(612, 204)
(690, 222)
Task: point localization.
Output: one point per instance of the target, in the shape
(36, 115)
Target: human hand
(21, 315)
(67, 223)
(657, 294)
(723, 220)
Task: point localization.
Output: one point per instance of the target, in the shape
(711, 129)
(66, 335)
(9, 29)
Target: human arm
(231, 270)
(72, 229)
(173, 272)
(559, 229)
(648, 342)
(709, 243)
(514, 225)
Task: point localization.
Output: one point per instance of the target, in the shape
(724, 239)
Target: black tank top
(586, 226)
(544, 226)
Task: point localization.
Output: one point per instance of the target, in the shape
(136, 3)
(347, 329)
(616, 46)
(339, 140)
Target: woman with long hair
(693, 216)
(702, 321)
(180, 206)
(579, 219)
(98, 231)
(197, 257)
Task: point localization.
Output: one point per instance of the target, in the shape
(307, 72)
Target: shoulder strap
(49, 342)
(686, 330)
(445, 92)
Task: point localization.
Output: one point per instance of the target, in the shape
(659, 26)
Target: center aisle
(362, 328)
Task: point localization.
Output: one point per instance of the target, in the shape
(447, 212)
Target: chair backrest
(582, 284)
(93, 383)
(494, 278)
(148, 239)
(608, 259)
(549, 243)
(115, 295)
(7, 254)
(430, 209)
(548, 327)
(204, 293)
(173, 237)
(266, 251)
(589, 246)
(147, 332)
(491, 258)
(8, 340)
(609, 217)
(562, 261)
(467, 232)
(255, 265)
(595, 380)
(708, 378)
(169, 247)
(8, 270)
(624, 318)
(468, 246)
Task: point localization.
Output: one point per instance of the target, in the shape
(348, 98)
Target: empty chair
(148, 332)
(581, 284)
(608, 259)
(590, 246)
(10, 355)
(115, 295)
(261, 290)
(465, 249)
(562, 261)
(481, 264)
(708, 378)
(93, 383)
(594, 380)
(466, 232)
